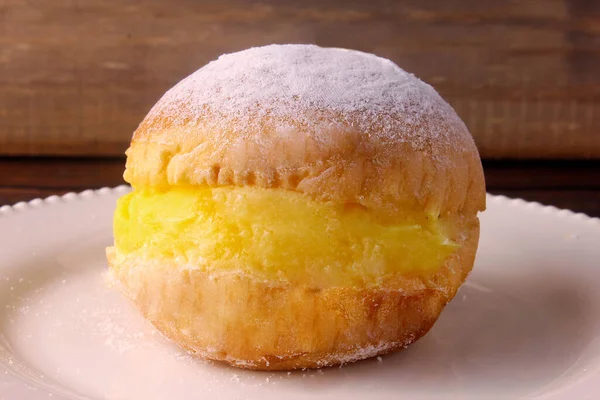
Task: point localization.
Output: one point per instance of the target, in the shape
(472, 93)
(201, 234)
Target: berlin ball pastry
(295, 207)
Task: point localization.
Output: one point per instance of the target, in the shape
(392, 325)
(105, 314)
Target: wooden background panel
(76, 77)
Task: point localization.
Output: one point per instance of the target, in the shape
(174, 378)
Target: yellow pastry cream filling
(276, 234)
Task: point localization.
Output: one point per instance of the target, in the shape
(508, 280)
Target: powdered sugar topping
(304, 85)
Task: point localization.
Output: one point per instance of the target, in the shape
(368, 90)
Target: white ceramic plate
(526, 324)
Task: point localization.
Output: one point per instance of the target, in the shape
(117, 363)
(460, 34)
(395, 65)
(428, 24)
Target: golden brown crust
(264, 325)
(352, 168)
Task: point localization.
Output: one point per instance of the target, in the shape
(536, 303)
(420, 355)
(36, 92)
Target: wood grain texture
(567, 184)
(76, 77)
(61, 173)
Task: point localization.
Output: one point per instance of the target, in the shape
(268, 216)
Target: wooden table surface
(566, 184)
